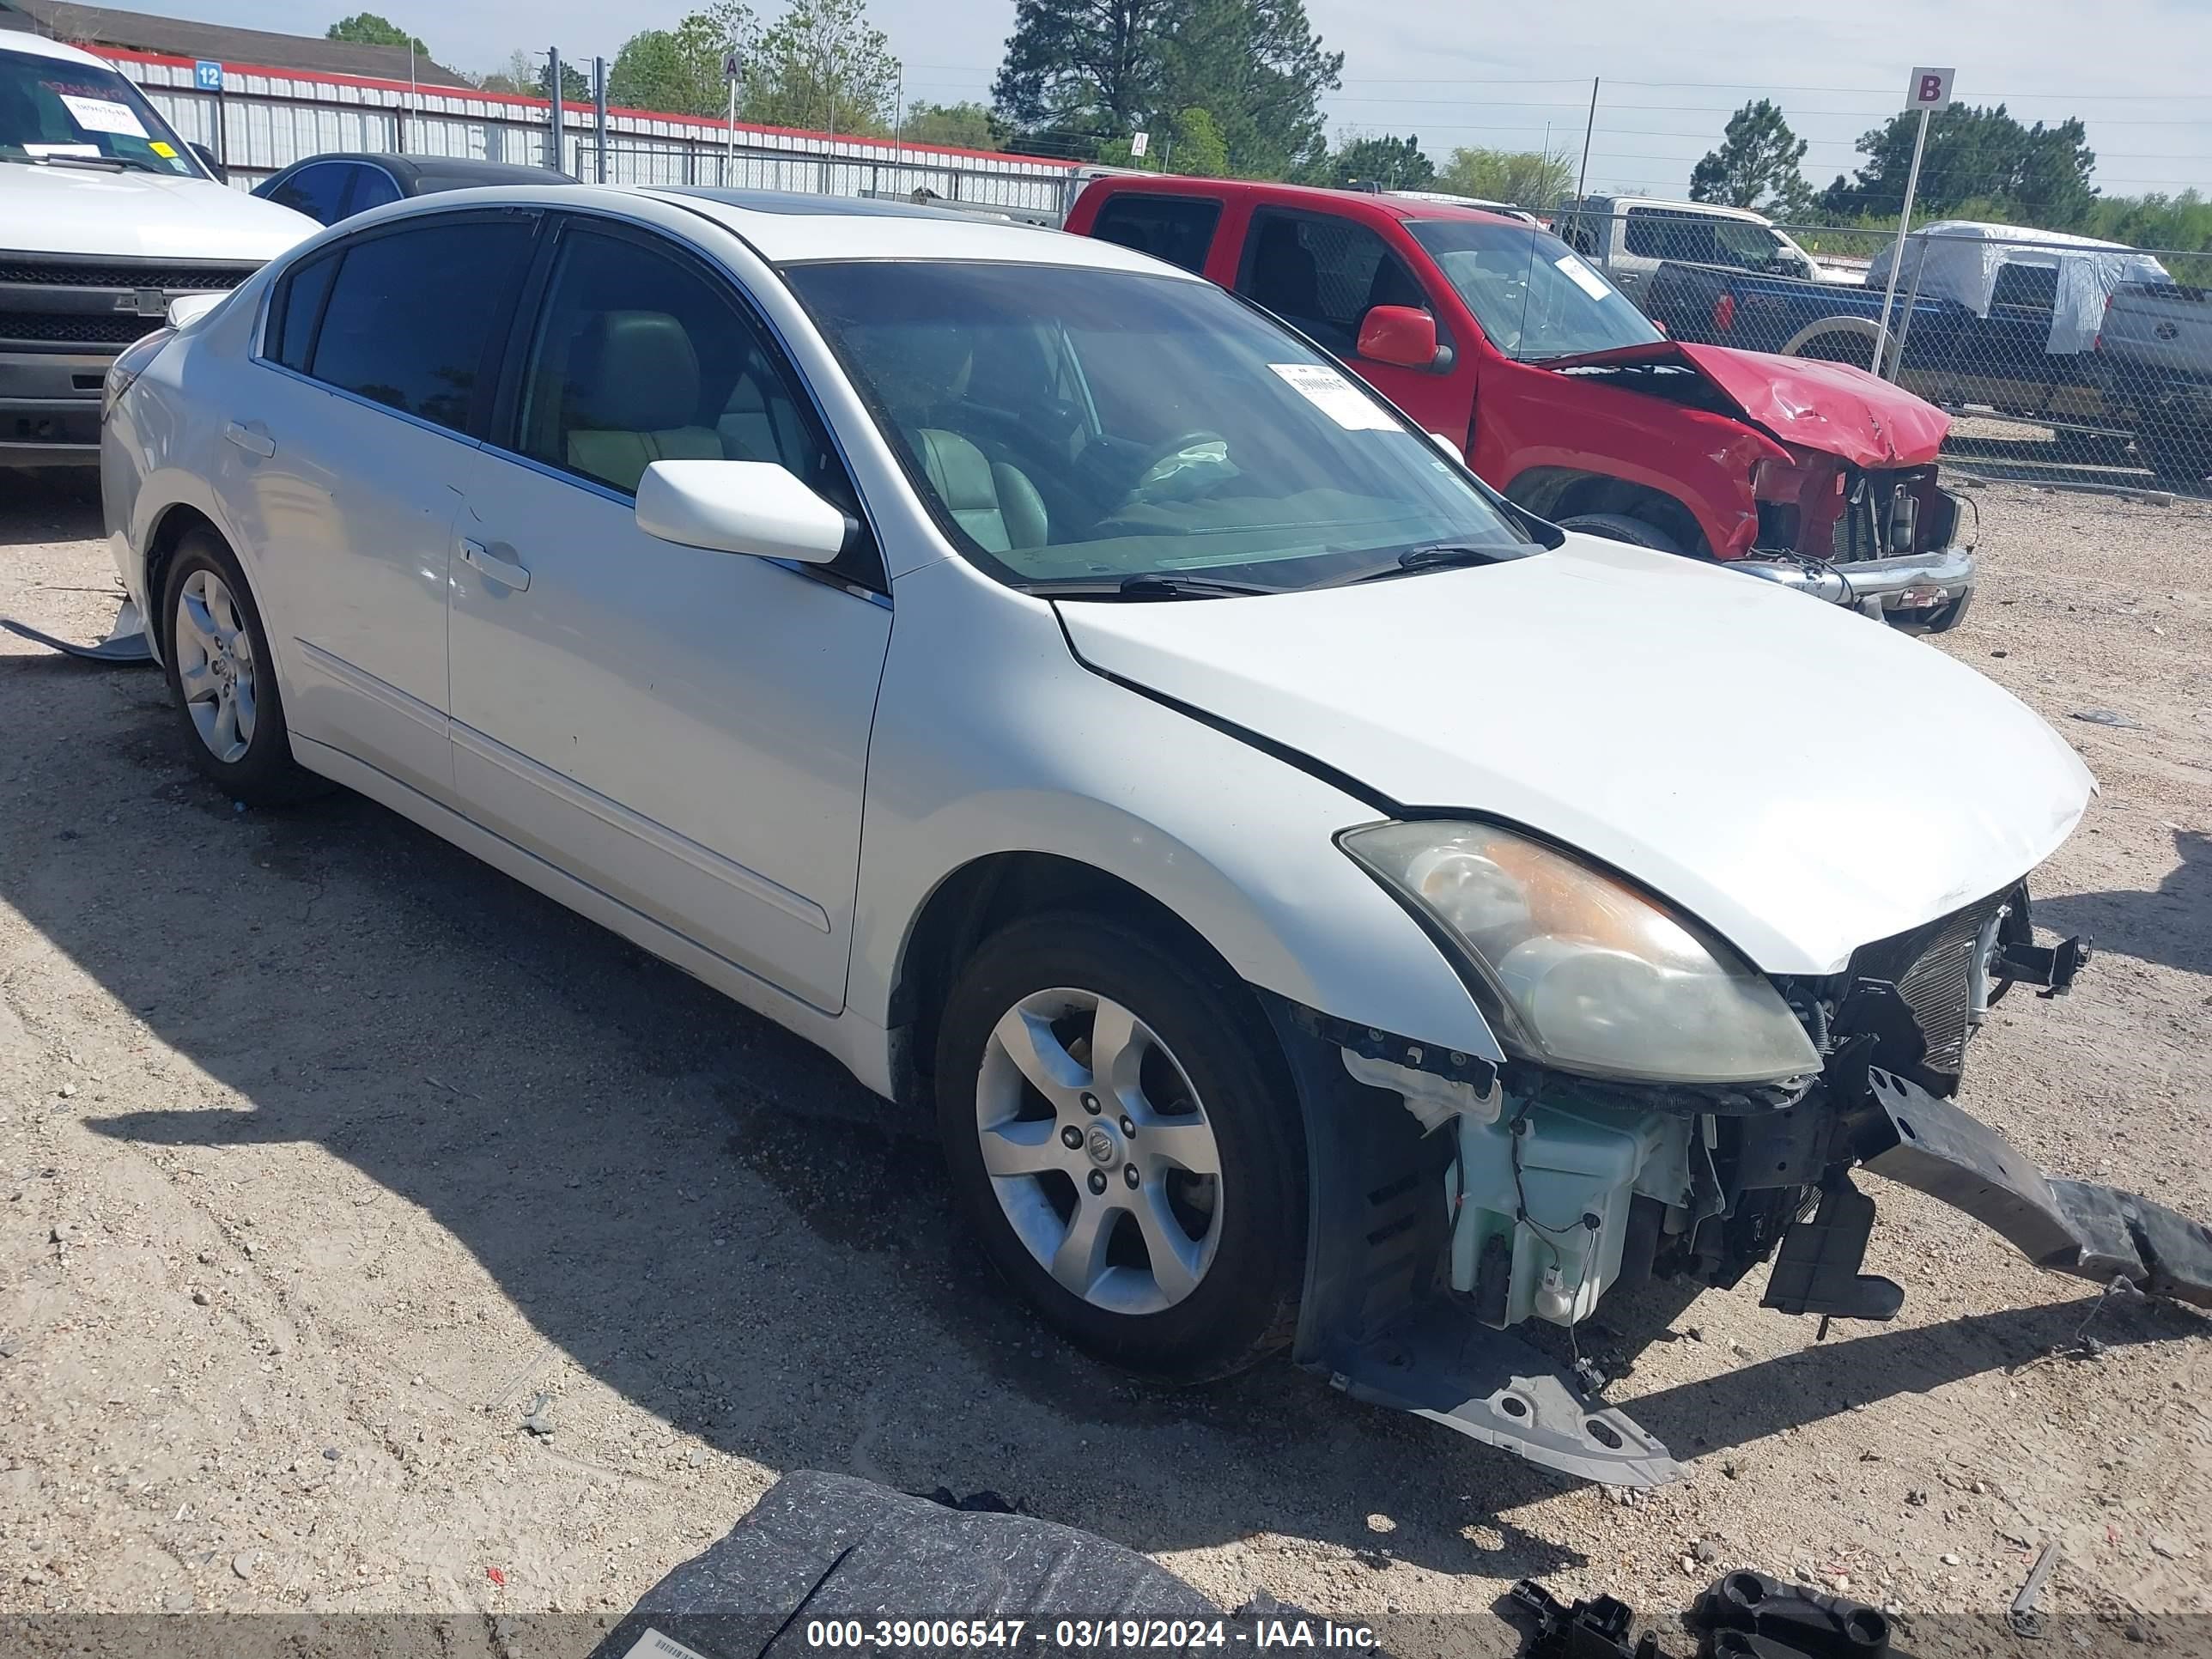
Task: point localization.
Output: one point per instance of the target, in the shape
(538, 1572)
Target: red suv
(1497, 338)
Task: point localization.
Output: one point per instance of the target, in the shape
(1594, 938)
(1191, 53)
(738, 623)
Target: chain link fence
(2060, 359)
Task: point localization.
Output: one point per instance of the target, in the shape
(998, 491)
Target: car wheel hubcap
(215, 666)
(1121, 1205)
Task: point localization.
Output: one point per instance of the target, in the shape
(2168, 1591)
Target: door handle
(252, 437)
(506, 572)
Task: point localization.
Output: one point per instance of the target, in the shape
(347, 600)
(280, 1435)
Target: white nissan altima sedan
(1326, 909)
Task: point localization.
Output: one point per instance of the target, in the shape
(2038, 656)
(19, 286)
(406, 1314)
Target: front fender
(990, 738)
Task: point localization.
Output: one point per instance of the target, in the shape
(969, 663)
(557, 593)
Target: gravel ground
(325, 1151)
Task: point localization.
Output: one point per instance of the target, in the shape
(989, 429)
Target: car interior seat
(633, 398)
(760, 422)
(994, 501)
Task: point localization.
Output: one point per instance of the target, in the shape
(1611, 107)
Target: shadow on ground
(705, 1213)
(2171, 923)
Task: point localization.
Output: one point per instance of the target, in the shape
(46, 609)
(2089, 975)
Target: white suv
(105, 215)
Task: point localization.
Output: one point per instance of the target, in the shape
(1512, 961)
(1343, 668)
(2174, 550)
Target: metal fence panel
(2061, 360)
(265, 120)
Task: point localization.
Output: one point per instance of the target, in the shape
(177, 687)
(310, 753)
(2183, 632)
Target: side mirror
(185, 307)
(207, 159)
(738, 506)
(1404, 336)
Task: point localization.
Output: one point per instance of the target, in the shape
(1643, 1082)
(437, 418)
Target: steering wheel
(1156, 470)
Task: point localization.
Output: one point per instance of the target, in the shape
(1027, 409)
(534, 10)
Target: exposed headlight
(1583, 972)
(130, 363)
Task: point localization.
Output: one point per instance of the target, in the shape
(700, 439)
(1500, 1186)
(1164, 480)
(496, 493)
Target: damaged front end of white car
(1663, 1110)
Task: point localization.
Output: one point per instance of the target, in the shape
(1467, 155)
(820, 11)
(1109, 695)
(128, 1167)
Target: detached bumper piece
(2077, 1227)
(125, 641)
(1442, 1365)
(1744, 1615)
(1375, 1320)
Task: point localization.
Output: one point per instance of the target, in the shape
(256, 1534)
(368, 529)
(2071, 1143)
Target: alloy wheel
(1099, 1151)
(215, 666)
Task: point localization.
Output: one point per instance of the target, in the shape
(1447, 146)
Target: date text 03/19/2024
(1082, 1635)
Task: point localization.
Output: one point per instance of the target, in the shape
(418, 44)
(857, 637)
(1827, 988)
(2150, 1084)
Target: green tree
(1258, 70)
(1199, 150)
(366, 28)
(964, 125)
(523, 74)
(1084, 66)
(2037, 175)
(1078, 74)
(1385, 162)
(1525, 177)
(679, 70)
(823, 64)
(1755, 165)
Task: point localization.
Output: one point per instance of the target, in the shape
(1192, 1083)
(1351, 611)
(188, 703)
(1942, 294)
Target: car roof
(1709, 209)
(786, 228)
(38, 46)
(1355, 202)
(442, 166)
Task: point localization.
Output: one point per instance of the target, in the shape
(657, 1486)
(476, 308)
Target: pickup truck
(2154, 359)
(1560, 394)
(1630, 237)
(106, 216)
(2000, 324)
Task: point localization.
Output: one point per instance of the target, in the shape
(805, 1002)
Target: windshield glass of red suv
(1534, 296)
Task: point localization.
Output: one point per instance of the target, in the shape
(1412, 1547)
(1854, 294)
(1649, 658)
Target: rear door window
(413, 314)
(298, 306)
(373, 188)
(1177, 229)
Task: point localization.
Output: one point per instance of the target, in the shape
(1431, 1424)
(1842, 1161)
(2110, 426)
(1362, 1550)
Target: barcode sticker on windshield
(103, 115)
(1335, 397)
(1583, 276)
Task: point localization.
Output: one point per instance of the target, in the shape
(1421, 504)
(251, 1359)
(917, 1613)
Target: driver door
(686, 731)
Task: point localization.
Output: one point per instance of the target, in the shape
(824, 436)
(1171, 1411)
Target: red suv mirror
(1404, 336)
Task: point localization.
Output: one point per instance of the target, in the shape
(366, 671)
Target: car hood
(141, 216)
(1830, 407)
(1798, 777)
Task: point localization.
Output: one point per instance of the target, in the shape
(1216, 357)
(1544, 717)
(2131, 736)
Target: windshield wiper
(1444, 556)
(104, 163)
(1152, 585)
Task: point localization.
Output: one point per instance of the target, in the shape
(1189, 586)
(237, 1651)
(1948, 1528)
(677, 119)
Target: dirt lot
(324, 1149)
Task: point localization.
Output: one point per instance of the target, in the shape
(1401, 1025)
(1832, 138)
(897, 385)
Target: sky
(1508, 76)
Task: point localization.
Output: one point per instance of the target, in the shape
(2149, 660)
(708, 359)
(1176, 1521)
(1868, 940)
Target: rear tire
(1153, 1211)
(222, 678)
(1619, 528)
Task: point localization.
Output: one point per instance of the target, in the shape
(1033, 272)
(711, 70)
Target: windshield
(1078, 428)
(1534, 296)
(53, 109)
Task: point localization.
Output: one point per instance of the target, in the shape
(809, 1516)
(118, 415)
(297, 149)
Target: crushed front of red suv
(1847, 503)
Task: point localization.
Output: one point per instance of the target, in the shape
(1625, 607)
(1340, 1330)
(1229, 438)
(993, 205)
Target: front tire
(1619, 528)
(222, 677)
(1124, 1138)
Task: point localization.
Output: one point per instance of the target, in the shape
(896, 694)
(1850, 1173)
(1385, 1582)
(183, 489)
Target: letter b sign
(1930, 90)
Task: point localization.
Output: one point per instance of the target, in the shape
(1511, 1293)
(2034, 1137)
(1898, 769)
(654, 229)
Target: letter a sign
(1931, 89)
